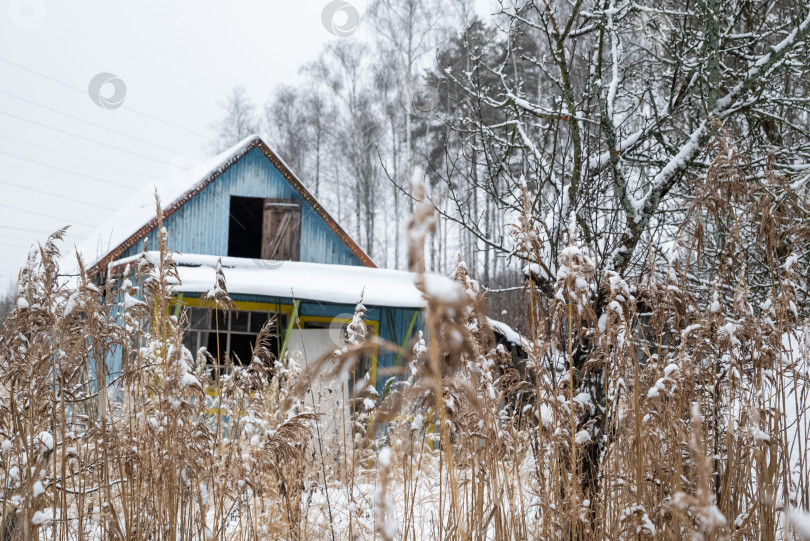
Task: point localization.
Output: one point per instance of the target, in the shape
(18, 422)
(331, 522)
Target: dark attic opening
(245, 227)
(264, 228)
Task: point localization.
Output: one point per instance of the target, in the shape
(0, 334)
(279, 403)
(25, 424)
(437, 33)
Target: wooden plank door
(281, 230)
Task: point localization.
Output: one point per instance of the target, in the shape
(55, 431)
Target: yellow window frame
(248, 306)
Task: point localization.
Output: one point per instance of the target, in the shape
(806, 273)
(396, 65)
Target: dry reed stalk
(596, 435)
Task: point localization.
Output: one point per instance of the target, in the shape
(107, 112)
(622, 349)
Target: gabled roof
(137, 218)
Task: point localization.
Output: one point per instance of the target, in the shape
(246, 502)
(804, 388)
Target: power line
(184, 61)
(56, 163)
(170, 71)
(38, 231)
(16, 245)
(145, 141)
(74, 134)
(83, 158)
(82, 175)
(20, 237)
(26, 211)
(26, 229)
(84, 91)
(26, 167)
(60, 196)
(24, 236)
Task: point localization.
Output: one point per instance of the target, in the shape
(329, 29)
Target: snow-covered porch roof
(338, 284)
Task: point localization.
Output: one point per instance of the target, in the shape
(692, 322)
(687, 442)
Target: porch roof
(338, 284)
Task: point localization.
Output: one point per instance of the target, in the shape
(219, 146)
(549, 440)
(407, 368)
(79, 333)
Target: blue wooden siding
(201, 225)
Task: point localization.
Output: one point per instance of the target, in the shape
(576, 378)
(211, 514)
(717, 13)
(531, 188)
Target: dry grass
(668, 408)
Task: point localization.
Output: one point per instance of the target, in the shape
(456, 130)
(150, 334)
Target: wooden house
(282, 255)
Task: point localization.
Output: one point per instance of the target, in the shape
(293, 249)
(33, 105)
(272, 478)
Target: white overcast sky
(65, 160)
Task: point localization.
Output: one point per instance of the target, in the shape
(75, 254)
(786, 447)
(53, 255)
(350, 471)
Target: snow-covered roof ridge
(140, 209)
(509, 334)
(321, 282)
(137, 217)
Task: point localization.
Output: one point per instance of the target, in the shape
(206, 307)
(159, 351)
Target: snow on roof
(140, 210)
(339, 284)
(509, 334)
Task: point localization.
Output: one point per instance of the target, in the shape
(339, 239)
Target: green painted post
(293, 318)
(179, 305)
(406, 338)
(398, 360)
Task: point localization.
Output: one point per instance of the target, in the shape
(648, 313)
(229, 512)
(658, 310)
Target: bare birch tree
(240, 120)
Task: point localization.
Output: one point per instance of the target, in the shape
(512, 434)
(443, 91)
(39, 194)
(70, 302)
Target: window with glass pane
(232, 334)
